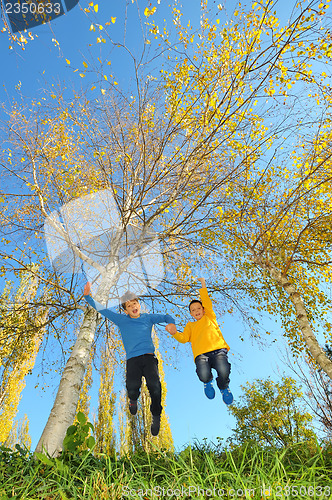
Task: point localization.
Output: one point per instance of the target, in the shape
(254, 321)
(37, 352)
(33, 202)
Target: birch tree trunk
(308, 335)
(64, 409)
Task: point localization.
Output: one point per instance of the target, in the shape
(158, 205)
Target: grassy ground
(197, 472)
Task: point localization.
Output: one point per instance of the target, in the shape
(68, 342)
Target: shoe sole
(155, 431)
(213, 393)
(228, 400)
(133, 410)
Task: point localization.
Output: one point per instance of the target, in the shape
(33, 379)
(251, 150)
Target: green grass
(199, 471)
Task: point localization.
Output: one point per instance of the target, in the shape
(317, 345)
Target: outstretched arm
(113, 316)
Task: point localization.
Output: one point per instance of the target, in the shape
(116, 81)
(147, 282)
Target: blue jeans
(214, 359)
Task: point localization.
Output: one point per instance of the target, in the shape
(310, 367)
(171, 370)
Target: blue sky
(192, 416)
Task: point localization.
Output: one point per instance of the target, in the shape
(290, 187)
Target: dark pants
(145, 366)
(214, 359)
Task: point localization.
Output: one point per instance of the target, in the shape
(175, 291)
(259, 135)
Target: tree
(19, 434)
(273, 227)
(275, 230)
(22, 330)
(164, 154)
(317, 390)
(84, 400)
(271, 414)
(104, 425)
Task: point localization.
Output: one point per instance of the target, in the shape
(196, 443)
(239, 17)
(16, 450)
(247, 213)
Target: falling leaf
(148, 12)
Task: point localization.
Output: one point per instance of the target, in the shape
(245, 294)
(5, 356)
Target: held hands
(171, 328)
(87, 288)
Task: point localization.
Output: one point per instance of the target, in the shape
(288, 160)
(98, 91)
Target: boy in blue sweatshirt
(136, 329)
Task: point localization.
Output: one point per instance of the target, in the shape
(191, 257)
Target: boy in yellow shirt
(208, 345)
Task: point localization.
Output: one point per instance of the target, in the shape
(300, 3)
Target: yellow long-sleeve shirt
(204, 334)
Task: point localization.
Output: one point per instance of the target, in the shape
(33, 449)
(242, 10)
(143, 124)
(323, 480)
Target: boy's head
(131, 305)
(196, 309)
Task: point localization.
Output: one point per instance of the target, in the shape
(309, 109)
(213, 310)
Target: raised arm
(87, 288)
(112, 316)
(202, 280)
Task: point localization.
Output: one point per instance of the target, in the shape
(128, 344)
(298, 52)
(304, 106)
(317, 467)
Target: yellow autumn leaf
(103, 91)
(92, 28)
(96, 8)
(85, 64)
(67, 61)
(113, 19)
(148, 12)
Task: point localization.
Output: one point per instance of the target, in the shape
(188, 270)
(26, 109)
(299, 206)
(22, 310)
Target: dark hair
(193, 302)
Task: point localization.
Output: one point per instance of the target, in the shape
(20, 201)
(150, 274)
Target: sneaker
(133, 406)
(227, 396)
(155, 426)
(209, 390)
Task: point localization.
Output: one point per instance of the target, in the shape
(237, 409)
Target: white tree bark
(64, 409)
(308, 335)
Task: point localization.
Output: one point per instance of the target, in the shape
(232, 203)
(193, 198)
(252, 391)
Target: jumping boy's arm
(164, 318)
(112, 316)
(183, 336)
(206, 301)
(171, 328)
(202, 280)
